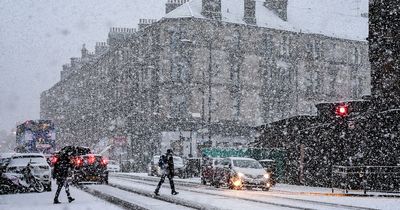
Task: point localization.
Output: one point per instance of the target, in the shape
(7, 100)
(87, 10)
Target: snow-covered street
(279, 197)
(44, 201)
(136, 189)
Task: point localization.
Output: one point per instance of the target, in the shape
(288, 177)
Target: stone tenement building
(384, 36)
(205, 74)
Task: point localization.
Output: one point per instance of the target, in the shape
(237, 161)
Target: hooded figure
(166, 164)
(61, 172)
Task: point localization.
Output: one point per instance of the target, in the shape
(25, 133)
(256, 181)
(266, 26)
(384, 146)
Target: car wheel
(216, 184)
(203, 181)
(38, 187)
(265, 189)
(5, 189)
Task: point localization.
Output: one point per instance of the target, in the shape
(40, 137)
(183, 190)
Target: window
(267, 44)
(285, 46)
(236, 107)
(314, 48)
(178, 105)
(355, 57)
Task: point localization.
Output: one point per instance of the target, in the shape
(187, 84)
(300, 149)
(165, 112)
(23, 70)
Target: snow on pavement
(44, 201)
(143, 201)
(217, 201)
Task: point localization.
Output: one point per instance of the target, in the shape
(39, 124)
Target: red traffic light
(342, 110)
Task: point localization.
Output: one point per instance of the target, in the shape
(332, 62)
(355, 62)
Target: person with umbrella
(166, 164)
(61, 172)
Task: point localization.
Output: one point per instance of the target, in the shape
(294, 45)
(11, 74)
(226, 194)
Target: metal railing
(366, 178)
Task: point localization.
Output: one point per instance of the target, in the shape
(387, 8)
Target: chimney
(100, 48)
(250, 12)
(278, 6)
(143, 23)
(84, 52)
(74, 62)
(173, 4)
(65, 67)
(211, 9)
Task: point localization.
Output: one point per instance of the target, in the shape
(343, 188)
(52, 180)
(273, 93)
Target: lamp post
(209, 91)
(209, 84)
(194, 117)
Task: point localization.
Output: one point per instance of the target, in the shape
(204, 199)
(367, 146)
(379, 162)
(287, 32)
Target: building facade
(384, 53)
(201, 80)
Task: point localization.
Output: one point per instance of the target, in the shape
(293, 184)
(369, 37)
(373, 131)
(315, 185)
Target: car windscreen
(24, 160)
(246, 164)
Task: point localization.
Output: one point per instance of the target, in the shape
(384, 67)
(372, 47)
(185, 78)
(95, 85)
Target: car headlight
(240, 175)
(267, 176)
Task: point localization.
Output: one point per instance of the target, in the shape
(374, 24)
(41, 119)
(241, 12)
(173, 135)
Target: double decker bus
(36, 136)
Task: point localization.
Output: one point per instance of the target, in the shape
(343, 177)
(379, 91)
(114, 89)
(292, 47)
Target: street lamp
(209, 84)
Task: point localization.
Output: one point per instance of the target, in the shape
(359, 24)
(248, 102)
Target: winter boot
(70, 199)
(156, 192)
(174, 193)
(56, 201)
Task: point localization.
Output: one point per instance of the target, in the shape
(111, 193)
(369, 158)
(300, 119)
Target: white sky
(38, 36)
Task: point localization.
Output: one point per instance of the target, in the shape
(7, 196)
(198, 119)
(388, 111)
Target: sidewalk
(328, 191)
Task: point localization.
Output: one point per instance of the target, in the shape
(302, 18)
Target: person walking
(61, 170)
(166, 164)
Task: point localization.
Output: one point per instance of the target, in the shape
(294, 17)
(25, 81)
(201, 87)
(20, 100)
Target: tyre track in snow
(201, 205)
(129, 200)
(183, 185)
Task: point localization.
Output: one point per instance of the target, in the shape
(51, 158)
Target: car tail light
(53, 160)
(78, 161)
(104, 161)
(91, 159)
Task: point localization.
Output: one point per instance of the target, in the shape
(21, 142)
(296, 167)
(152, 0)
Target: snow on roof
(308, 16)
(28, 155)
(240, 158)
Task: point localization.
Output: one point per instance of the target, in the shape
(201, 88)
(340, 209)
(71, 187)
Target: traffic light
(342, 110)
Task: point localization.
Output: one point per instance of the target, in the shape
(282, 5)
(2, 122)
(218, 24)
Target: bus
(36, 136)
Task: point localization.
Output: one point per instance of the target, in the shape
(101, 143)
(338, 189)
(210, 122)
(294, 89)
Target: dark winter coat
(170, 165)
(61, 168)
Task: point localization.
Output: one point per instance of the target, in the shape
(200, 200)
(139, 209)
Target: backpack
(162, 161)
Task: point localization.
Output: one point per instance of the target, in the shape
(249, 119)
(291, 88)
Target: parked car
(41, 168)
(239, 173)
(208, 170)
(4, 161)
(154, 170)
(113, 166)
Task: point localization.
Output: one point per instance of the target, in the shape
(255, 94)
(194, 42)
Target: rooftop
(341, 19)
